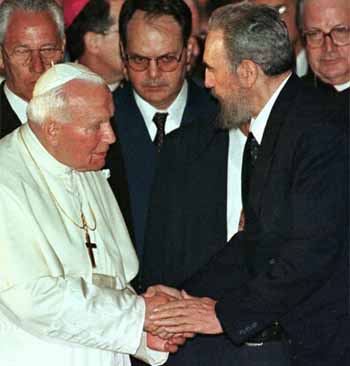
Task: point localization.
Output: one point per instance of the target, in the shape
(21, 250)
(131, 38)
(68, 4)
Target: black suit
(138, 153)
(9, 120)
(290, 264)
(187, 222)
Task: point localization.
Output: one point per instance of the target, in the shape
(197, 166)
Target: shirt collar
(175, 110)
(18, 105)
(258, 124)
(41, 156)
(301, 66)
(342, 87)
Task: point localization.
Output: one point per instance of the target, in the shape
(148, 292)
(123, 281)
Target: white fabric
(301, 63)
(18, 105)
(342, 87)
(175, 110)
(60, 74)
(53, 309)
(258, 124)
(234, 167)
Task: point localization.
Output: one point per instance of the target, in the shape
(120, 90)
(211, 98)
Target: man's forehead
(24, 25)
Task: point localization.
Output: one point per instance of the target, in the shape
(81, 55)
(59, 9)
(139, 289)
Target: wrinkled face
(224, 83)
(329, 62)
(29, 33)
(83, 142)
(110, 51)
(153, 38)
(287, 9)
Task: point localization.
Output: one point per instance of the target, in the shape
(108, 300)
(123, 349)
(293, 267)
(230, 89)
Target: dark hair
(256, 33)
(95, 17)
(178, 9)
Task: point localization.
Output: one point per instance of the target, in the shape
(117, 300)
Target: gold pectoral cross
(90, 246)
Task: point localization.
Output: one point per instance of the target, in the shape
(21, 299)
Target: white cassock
(54, 309)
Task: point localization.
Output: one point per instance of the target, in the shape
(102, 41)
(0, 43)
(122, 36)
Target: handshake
(172, 316)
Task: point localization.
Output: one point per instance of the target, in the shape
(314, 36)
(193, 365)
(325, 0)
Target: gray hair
(34, 6)
(254, 32)
(54, 104)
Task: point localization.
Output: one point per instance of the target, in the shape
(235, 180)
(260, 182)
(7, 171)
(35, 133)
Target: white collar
(301, 63)
(258, 124)
(175, 111)
(41, 156)
(342, 87)
(18, 105)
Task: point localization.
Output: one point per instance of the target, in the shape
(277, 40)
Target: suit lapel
(8, 118)
(277, 118)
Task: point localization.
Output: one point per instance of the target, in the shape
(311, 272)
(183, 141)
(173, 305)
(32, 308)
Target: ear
(92, 42)
(247, 72)
(2, 66)
(52, 131)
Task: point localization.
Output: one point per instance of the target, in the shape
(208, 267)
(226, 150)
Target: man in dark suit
(154, 37)
(327, 38)
(32, 40)
(284, 278)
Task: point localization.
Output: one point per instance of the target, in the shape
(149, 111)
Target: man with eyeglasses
(157, 100)
(93, 37)
(326, 30)
(32, 39)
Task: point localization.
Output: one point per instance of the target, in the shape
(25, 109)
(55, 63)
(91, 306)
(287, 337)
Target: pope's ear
(1, 62)
(247, 72)
(52, 131)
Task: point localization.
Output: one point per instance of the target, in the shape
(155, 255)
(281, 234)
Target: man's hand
(170, 345)
(189, 315)
(151, 303)
(157, 289)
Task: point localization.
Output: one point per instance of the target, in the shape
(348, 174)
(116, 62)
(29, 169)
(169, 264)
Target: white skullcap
(61, 74)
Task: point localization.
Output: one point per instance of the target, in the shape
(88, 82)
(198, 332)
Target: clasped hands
(172, 316)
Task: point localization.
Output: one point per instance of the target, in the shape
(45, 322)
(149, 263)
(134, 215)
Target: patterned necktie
(159, 120)
(250, 155)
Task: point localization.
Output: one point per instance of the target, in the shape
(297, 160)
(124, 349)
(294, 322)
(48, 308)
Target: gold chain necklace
(84, 225)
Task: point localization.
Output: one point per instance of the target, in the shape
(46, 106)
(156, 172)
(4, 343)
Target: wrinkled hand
(173, 294)
(159, 344)
(151, 303)
(189, 315)
(161, 289)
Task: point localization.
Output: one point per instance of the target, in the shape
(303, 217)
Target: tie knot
(159, 119)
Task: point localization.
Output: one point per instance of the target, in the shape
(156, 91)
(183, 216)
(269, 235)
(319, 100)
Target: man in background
(326, 29)
(92, 32)
(32, 39)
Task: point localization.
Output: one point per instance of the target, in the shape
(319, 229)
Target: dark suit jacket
(290, 264)
(139, 153)
(8, 118)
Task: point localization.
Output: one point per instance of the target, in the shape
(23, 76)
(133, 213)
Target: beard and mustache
(234, 111)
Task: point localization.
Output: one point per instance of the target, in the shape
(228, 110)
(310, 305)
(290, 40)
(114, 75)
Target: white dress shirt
(18, 105)
(175, 112)
(342, 87)
(234, 168)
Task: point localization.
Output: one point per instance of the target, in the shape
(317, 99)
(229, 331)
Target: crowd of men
(174, 180)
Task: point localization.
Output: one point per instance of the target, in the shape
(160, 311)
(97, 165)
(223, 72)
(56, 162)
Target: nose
(153, 69)
(108, 134)
(209, 80)
(328, 43)
(36, 62)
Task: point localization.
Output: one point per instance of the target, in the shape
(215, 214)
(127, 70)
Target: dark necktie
(159, 120)
(250, 155)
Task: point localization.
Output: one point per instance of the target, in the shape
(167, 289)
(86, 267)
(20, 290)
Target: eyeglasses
(24, 55)
(165, 63)
(339, 35)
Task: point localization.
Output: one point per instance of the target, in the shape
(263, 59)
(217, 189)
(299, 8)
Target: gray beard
(233, 114)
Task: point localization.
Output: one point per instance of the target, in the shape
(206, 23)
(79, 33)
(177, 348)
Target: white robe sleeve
(71, 310)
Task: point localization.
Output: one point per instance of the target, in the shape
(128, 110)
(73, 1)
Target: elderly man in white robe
(66, 258)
